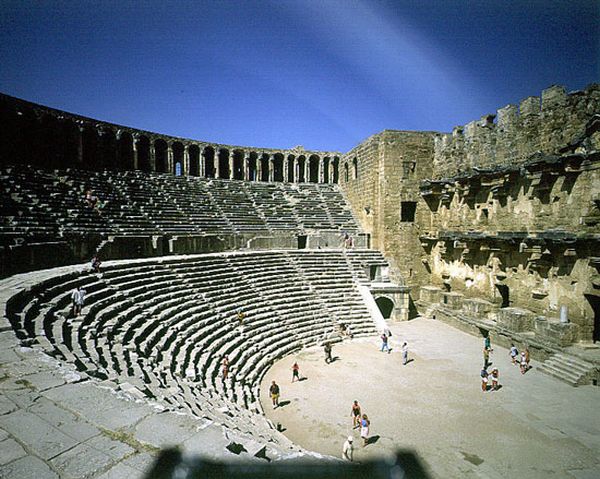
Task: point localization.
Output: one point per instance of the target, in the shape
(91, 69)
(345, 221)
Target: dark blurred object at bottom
(171, 465)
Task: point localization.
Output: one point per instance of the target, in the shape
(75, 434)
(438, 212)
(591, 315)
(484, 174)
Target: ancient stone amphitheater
(493, 228)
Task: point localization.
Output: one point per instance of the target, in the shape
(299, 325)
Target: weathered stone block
(477, 307)
(453, 300)
(556, 332)
(430, 294)
(516, 319)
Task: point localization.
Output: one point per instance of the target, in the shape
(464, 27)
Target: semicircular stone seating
(159, 328)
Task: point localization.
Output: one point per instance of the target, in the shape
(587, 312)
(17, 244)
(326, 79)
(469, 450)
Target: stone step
(569, 369)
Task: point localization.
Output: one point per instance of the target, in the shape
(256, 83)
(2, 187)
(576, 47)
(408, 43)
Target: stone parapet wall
(514, 133)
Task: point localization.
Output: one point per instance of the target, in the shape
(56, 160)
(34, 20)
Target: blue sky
(324, 74)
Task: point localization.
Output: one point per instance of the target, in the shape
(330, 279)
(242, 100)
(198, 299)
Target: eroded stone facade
(497, 220)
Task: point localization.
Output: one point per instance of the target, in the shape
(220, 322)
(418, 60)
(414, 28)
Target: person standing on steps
(348, 449)
(274, 392)
(78, 298)
(225, 366)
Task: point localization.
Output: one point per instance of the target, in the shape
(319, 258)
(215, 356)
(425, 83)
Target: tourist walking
(78, 298)
(484, 379)
(494, 375)
(486, 358)
(514, 353)
(348, 449)
(327, 348)
(295, 372)
(355, 414)
(523, 363)
(384, 343)
(527, 357)
(364, 429)
(274, 392)
(96, 264)
(404, 354)
(225, 366)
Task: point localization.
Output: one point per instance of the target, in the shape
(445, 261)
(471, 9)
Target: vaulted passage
(385, 305)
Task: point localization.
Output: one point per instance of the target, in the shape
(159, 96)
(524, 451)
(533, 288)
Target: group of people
(92, 201)
(522, 360)
(385, 345)
(359, 421)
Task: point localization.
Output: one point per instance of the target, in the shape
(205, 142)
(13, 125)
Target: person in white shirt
(348, 449)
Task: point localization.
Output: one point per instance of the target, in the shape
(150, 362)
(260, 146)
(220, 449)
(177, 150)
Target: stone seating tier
(46, 204)
(162, 326)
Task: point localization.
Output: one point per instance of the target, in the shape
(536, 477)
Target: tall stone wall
(513, 134)
(389, 169)
(506, 211)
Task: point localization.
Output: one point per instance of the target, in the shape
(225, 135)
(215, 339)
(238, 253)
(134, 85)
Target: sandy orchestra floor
(534, 426)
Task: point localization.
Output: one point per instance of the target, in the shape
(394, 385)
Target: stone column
(246, 167)
(79, 145)
(230, 161)
(152, 156)
(306, 170)
(271, 169)
(258, 170)
(320, 171)
(216, 163)
(185, 167)
(285, 169)
(135, 153)
(201, 166)
(170, 167)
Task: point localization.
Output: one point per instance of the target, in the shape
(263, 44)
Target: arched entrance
(386, 306)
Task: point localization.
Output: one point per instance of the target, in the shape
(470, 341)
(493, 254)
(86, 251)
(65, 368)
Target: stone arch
(161, 155)
(346, 174)
(301, 164)
(313, 168)
(70, 144)
(142, 145)
(355, 168)
(178, 163)
(90, 148)
(45, 143)
(386, 306)
(194, 156)
(291, 164)
(252, 159)
(336, 169)
(125, 147)
(264, 167)
(238, 165)
(278, 167)
(209, 162)
(326, 161)
(224, 172)
(108, 149)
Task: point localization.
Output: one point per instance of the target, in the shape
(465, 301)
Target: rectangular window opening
(407, 211)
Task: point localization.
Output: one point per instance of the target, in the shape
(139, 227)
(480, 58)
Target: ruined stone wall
(390, 166)
(513, 134)
(363, 189)
(515, 210)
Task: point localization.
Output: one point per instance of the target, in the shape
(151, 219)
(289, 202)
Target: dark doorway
(504, 293)
(302, 242)
(595, 304)
(385, 305)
